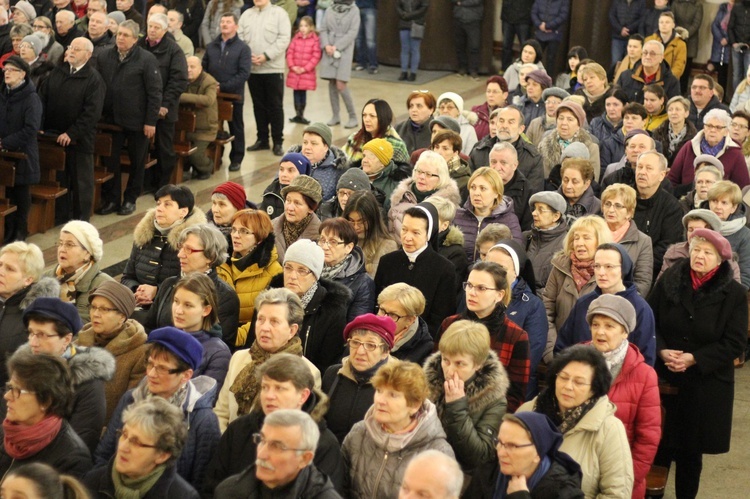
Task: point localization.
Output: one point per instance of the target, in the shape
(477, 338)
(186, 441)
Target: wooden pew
(107, 128)
(7, 179)
(226, 107)
(186, 123)
(45, 193)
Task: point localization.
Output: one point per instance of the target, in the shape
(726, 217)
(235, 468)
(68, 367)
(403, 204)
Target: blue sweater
(576, 329)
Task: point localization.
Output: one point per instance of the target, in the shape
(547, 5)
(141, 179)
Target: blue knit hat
(180, 343)
(54, 308)
(298, 160)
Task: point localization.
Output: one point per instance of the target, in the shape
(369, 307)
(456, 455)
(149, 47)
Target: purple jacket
(470, 225)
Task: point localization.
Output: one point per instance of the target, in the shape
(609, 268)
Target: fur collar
(454, 237)
(145, 231)
(47, 287)
(402, 193)
(489, 385)
(677, 283)
(88, 363)
(265, 250)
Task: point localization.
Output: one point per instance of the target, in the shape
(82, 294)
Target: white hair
(446, 469)
(718, 114)
(62, 14)
(505, 146)
(289, 418)
(160, 19)
(436, 160)
(657, 44)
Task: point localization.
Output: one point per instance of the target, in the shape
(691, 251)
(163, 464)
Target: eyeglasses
(418, 172)
(609, 204)
(299, 272)
(384, 313)
(188, 250)
(738, 126)
(479, 289)
(715, 128)
(650, 53)
(66, 245)
(327, 243)
(41, 336)
(11, 70)
(38, 27)
(160, 370)
(273, 445)
(355, 344)
(344, 194)
(103, 310)
(499, 444)
(356, 223)
(577, 382)
(15, 391)
(241, 231)
(700, 87)
(122, 435)
(608, 267)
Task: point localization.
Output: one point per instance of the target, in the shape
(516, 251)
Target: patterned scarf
(23, 441)
(245, 386)
(582, 271)
(68, 282)
(571, 418)
(616, 358)
(308, 296)
(333, 270)
(676, 138)
(177, 399)
(292, 230)
(135, 488)
(712, 150)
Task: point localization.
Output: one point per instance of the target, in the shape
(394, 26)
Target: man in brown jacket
(201, 97)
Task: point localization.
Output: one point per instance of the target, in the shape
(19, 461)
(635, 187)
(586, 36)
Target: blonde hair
(30, 258)
(725, 188)
(595, 69)
(466, 338)
(593, 223)
(446, 209)
(409, 297)
(432, 158)
(493, 178)
(626, 192)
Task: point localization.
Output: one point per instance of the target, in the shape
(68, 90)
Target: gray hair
(215, 245)
(409, 297)
(433, 158)
(62, 14)
(446, 209)
(160, 19)
(22, 30)
(87, 44)
(506, 146)
(102, 4)
(290, 418)
(696, 240)
(681, 100)
(284, 367)
(160, 420)
(718, 114)
(446, 467)
(656, 44)
(663, 163)
(30, 258)
(283, 296)
(131, 26)
(709, 168)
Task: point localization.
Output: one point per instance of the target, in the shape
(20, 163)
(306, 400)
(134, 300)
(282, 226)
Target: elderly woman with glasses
(708, 171)
(468, 384)
(405, 304)
(576, 402)
(429, 178)
(152, 437)
(200, 250)
(79, 251)
(35, 429)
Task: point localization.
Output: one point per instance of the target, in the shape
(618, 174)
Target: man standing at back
(267, 30)
(228, 60)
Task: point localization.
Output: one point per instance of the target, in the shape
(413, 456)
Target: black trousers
(17, 224)
(468, 41)
(79, 170)
(165, 154)
(237, 128)
(267, 92)
(689, 466)
(137, 149)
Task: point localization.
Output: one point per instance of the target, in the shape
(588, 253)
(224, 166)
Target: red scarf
(700, 281)
(582, 271)
(23, 441)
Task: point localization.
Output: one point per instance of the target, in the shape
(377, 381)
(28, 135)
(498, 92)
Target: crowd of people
(501, 301)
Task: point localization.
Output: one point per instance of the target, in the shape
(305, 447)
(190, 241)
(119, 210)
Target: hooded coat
(471, 422)
(377, 460)
(527, 311)
(541, 246)
(354, 276)
(154, 256)
(711, 324)
(203, 429)
(471, 226)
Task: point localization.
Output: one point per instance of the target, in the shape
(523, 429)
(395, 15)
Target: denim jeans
(366, 46)
(619, 48)
(409, 50)
(510, 31)
(740, 63)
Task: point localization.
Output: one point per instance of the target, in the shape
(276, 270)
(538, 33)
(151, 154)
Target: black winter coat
(451, 247)
(738, 28)
(480, 155)
(411, 11)
(154, 256)
(431, 273)
(631, 82)
(169, 486)
(661, 134)
(558, 483)
(273, 203)
(354, 276)
(626, 14)
(711, 324)
(6, 45)
(696, 118)
(20, 121)
(173, 70)
(519, 190)
(418, 137)
(193, 12)
(231, 68)
(419, 346)
(66, 453)
(160, 312)
(530, 164)
(101, 44)
(309, 484)
(236, 448)
(660, 218)
(516, 11)
(134, 88)
(79, 112)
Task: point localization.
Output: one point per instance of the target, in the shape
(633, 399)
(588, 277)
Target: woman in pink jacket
(302, 57)
(635, 389)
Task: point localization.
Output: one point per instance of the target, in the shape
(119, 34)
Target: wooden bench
(186, 123)
(7, 179)
(107, 128)
(226, 108)
(48, 190)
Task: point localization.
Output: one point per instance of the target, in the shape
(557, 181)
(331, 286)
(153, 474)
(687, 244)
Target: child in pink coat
(302, 56)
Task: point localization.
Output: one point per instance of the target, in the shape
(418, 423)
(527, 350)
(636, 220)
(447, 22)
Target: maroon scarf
(23, 441)
(582, 271)
(700, 281)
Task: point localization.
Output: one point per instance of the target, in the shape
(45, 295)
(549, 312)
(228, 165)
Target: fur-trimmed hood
(47, 287)
(677, 282)
(145, 230)
(454, 237)
(469, 117)
(403, 193)
(87, 363)
(489, 384)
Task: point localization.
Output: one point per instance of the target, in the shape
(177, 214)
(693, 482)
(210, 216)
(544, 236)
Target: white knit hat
(87, 235)
(307, 253)
(452, 96)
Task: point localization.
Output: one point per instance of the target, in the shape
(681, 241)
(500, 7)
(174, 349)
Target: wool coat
(154, 256)
(682, 171)
(600, 445)
(404, 198)
(541, 246)
(640, 250)
(88, 282)
(660, 218)
(304, 52)
(310, 232)
(201, 94)
(471, 422)
(20, 121)
(471, 226)
(688, 14)
(339, 28)
(169, 486)
(128, 347)
(554, 15)
(711, 324)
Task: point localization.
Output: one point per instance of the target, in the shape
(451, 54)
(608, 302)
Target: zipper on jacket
(307, 337)
(380, 475)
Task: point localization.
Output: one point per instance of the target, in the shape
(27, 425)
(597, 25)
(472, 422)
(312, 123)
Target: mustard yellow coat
(675, 53)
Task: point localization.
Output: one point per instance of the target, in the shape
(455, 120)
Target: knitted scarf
(245, 385)
(292, 230)
(23, 441)
(421, 196)
(712, 150)
(569, 419)
(618, 234)
(177, 399)
(616, 357)
(68, 282)
(582, 271)
(333, 270)
(546, 403)
(135, 488)
(698, 281)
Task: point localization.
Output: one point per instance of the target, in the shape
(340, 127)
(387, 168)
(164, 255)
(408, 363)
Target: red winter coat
(635, 392)
(304, 52)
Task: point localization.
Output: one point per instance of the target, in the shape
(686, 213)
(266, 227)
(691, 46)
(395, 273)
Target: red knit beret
(381, 325)
(234, 192)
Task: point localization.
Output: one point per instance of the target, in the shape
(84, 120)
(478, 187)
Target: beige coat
(90, 281)
(559, 297)
(311, 232)
(226, 405)
(600, 445)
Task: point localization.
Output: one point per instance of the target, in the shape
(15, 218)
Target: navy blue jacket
(20, 121)
(170, 485)
(601, 128)
(624, 15)
(231, 66)
(419, 346)
(554, 15)
(528, 312)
